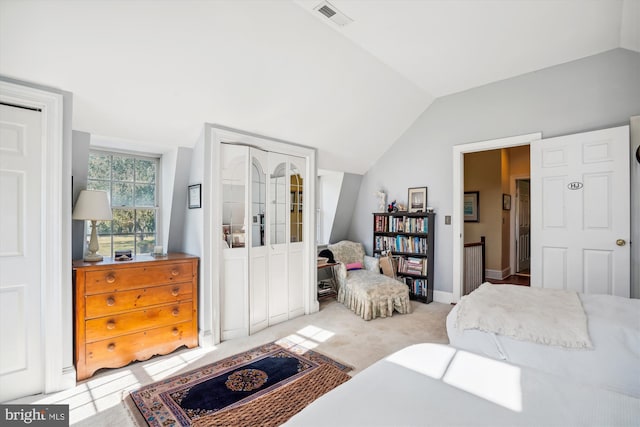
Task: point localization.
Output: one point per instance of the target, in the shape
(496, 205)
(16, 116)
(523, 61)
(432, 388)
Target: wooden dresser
(132, 310)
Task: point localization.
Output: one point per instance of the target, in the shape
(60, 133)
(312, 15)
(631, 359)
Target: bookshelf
(409, 237)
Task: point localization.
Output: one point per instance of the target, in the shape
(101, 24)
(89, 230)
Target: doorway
(33, 327)
(458, 190)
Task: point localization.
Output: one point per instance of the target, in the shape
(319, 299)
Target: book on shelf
(400, 243)
(413, 265)
(401, 224)
(417, 286)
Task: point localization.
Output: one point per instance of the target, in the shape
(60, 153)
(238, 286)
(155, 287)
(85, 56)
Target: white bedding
(438, 385)
(526, 314)
(613, 363)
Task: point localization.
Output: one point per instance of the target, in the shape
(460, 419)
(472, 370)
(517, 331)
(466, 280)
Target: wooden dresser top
(109, 262)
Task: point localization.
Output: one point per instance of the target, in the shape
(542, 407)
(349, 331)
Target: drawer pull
(111, 324)
(175, 272)
(175, 291)
(111, 301)
(110, 278)
(111, 347)
(175, 331)
(175, 312)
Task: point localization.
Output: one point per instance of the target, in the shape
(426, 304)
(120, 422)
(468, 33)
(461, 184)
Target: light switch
(447, 219)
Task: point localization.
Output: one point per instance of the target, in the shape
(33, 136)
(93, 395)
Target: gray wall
(346, 205)
(179, 199)
(597, 92)
(79, 172)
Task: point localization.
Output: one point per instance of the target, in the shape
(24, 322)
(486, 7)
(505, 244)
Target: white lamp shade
(93, 205)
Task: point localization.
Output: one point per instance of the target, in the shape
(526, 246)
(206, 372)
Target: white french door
(580, 224)
(258, 253)
(286, 239)
(278, 218)
(234, 290)
(21, 165)
(262, 272)
(297, 174)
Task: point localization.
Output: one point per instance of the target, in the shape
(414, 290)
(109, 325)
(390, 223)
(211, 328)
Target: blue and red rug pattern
(226, 384)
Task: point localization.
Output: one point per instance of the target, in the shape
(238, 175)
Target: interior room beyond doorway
(498, 211)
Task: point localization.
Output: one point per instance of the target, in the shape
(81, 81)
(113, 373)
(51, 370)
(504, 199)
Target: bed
(611, 362)
(362, 288)
(439, 385)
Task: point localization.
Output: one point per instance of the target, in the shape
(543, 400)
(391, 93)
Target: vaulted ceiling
(150, 73)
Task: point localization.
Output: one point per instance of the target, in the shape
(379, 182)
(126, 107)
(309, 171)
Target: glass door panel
(297, 200)
(234, 160)
(258, 202)
(278, 204)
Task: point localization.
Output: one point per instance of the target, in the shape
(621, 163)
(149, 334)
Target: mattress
(435, 384)
(613, 363)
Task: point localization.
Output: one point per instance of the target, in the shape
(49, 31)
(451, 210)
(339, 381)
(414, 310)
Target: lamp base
(93, 257)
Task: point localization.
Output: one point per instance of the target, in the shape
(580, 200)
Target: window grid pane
(131, 184)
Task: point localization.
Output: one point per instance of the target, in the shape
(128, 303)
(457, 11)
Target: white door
(234, 274)
(296, 228)
(523, 215)
(21, 362)
(580, 212)
(279, 204)
(258, 254)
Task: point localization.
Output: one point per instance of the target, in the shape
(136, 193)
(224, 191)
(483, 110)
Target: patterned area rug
(265, 385)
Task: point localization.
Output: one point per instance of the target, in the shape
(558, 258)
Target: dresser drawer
(112, 326)
(116, 302)
(114, 279)
(121, 350)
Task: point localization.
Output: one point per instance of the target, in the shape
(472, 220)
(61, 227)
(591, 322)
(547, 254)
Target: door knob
(621, 242)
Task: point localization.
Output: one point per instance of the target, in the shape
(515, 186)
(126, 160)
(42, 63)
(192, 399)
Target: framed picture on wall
(506, 202)
(471, 205)
(417, 199)
(195, 191)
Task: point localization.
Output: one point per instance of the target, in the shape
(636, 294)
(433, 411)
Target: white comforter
(613, 363)
(438, 385)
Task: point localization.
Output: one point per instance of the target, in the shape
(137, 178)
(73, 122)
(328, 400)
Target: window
(132, 184)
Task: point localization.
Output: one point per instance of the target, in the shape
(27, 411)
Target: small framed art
(506, 202)
(417, 199)
(195, 193)
(471, 206)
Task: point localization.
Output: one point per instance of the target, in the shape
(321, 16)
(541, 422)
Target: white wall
(346, 205)
(178, 201)
(167, 180)
(329, 184)
(597, 92)
(193, 235)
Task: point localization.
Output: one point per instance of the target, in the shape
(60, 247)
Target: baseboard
(443, 297)
(497, 274)
(205, 339)
(68, 379)
(315, 307)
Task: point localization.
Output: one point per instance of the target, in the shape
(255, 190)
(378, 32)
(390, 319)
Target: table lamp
(94, 206)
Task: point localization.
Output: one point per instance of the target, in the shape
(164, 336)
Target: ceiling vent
(331, 12)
